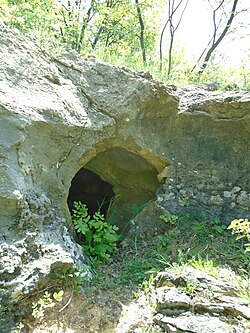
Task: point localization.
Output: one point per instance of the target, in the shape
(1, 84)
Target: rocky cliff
(74, 128)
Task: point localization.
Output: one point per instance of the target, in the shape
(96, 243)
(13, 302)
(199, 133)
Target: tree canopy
(136, 33)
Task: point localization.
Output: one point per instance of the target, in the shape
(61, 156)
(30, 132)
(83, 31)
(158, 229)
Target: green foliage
(190, 288)
(30, 15)
(243, 281)
(135, 271)
(100, 237)
(45, 302)
(217, 227)
(147, 284)
(169, 219)
(202, 227)
(134, 267)
(205, 265)
(192, 234)
(111, 30)
(73, 278)
(241, 227)
(150, 329)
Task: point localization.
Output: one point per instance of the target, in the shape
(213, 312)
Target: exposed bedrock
(74, 128)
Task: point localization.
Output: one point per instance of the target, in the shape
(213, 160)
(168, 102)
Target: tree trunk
(161, 39)
(142, 28)
(85, 23)
(216, 43)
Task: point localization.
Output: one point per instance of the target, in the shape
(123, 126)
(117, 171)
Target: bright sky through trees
(197, 26)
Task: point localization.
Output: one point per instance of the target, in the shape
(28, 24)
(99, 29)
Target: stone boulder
(75, 128)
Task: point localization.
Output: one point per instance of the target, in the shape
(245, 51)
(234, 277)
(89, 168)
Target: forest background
(179, 41)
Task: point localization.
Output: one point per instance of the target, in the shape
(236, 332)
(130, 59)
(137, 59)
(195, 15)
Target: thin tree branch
(170, 16)
(218, 41)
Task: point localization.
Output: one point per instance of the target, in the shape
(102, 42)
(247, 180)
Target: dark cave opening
(88, 188)
(116, 176)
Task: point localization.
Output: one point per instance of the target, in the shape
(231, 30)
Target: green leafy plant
(45, 302)
(205, 265)
(190, 288)
(100, 237)
(135, 271)
(172, 219)
(150, 329)
(73, 277)
(148, 283)
(202, 227)
(217, 227)
(243, 282)
(241, 227)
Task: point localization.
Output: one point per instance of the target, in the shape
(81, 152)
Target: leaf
(34, 305)
(89, 236)
(58, 296)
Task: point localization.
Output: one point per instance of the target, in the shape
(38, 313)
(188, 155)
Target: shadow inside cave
(88, 188)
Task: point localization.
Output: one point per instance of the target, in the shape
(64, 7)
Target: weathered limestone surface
(195, 301)
(59, 114)
(188, 300)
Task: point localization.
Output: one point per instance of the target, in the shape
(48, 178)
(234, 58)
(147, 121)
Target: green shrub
(73, 277)
(241, 227)
(100, 237)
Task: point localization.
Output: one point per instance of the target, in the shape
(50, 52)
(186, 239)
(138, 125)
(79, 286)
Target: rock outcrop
(195, 301)
(184, 299)
(180, 149)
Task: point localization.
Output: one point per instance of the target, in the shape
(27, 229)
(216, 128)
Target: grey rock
(172, 298)
(215, 305)
(189, 323)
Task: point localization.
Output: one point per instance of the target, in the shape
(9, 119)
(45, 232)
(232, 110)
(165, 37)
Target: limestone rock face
(195, 301)
(185, 149)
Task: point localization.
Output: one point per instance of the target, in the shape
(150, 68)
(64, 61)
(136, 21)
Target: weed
(202, 226)
(146, 285)
(203, 237)
(135, 271)
(163, 259)
(200, 230)
(243, 283)
(169, 219)
(205, 265)
(45, 302)
(150, 329)
(100, 237)
(190, 288)
(73, 277)
(217, 227)
(241, 227)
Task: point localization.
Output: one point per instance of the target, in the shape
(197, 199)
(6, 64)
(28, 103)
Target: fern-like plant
(100, 237)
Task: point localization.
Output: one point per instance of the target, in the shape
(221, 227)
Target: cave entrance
(88, 188)
(116, 173)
